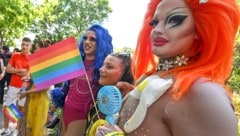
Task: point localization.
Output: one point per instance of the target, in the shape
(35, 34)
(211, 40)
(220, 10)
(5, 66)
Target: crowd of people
(174, 84)
(5, 56)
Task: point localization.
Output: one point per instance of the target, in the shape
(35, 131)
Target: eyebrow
(175, 9)
(169, 12)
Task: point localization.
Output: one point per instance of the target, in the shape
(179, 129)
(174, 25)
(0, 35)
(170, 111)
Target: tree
(15, 17)
(234, 80)
(70, 18)
(124, 49)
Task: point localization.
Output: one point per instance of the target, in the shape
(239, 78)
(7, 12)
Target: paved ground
(1, 118)
(50, 132)
(11, 125)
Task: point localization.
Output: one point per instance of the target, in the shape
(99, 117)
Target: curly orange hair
(216, 23)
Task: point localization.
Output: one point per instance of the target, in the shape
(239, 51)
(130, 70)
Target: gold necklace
(169, 63)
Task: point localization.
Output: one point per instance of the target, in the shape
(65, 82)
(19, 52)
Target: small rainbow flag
(12, 113)
(57, 63)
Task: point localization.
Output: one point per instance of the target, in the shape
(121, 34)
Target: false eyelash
(154, 22)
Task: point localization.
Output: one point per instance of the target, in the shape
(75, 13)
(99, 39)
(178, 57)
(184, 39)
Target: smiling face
(173, 29)
(89, 43)
(111, 71)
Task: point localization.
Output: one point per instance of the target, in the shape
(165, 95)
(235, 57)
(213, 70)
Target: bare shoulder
(208, 91)
(208, 105)
(209, 97)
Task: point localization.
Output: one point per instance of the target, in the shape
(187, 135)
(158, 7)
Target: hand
(22, 94)
(23, 72)
(124, 87)
(26, 78)
(107, 129)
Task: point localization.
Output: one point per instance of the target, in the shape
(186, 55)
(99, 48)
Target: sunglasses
(122, 55)
(91, 39)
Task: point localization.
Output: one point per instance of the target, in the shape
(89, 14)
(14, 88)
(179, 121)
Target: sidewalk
(1, 117)
(12, 126)
(1, 112)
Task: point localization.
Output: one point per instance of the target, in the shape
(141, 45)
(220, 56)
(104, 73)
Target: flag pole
(95, 105)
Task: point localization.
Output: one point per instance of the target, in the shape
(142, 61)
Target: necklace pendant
(166, 64)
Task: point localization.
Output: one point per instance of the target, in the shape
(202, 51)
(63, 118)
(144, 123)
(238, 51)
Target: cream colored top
(205, 110)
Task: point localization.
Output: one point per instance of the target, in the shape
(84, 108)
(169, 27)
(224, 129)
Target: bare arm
(124, 87)
(3, 69)
(31, 91)
(20, 72)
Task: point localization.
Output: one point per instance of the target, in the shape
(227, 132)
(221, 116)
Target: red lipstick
(159, 41)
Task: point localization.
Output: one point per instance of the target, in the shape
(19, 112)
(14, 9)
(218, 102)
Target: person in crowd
(37, 103)
(2, 74)
(94, 45)
(15, 50)
(6, 54)
(5, 77)
(18, 66)
(116, 71)
(184, 93)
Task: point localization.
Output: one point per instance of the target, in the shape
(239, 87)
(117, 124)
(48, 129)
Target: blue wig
(103, 47)
(59, 94)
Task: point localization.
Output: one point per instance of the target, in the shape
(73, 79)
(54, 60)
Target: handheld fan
(25, 84)
(109, 102)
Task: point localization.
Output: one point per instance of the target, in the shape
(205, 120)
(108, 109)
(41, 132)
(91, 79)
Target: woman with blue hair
(94, 45)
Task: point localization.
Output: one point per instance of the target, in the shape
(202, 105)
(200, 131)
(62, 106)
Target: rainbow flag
(12, 113)
(55, 64)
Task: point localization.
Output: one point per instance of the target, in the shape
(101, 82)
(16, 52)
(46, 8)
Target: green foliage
(15, 17)
(236, 103)
(64, 18)
(238, 129)
(234, 80)
(124, 49)
(49, 19)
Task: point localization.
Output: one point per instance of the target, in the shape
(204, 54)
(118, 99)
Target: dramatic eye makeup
(174, 20)
(92, 39)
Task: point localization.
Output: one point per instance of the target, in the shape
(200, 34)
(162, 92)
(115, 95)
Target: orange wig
(216, 23)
